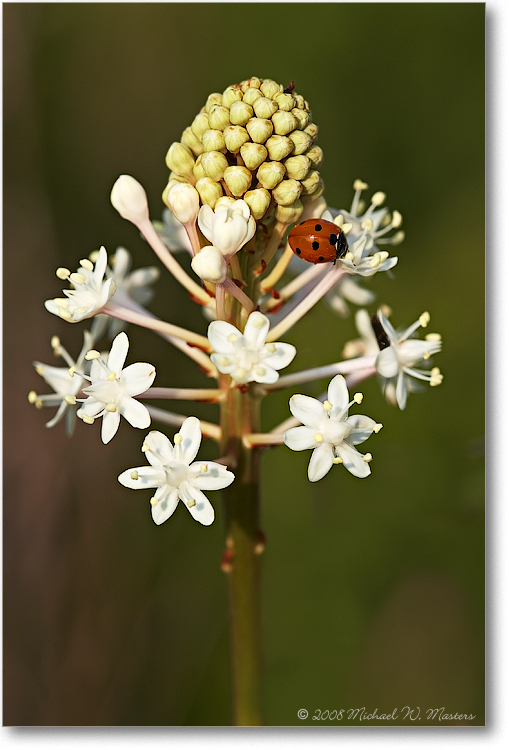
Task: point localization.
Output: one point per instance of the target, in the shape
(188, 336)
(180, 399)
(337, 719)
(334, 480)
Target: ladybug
(318, 241)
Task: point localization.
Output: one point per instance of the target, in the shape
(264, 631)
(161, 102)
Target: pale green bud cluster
(255, 141)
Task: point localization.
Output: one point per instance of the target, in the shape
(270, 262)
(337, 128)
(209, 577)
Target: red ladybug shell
(318, 241)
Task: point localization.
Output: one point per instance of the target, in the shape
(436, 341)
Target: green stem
(240, 415)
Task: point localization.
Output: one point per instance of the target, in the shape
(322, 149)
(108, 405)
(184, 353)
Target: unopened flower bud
(311, 130)
(251, 95)
(253, 154)
(285, 102)
(174, 177)
(270, 174)
(213, 140)
(130, 199)
(234, 137)
(210, 265)
(240, 113)
(310, 184)
(198, 169)
(209, 191)
(254, 82)
(200, 124)
(184, 202)
(270, 88)
(238, 180)
(258, 201)
(264, 107)
(315, 155)
(284, 122)
(279, 146)
(189, 139)
(299, 101)
(214, 164)
(302, 141)
(297, 167)
(259, 129)
(287, 192)
(224, 202)
(289, 214)
(230, 95)
(301, 116)
(219, 117)
(180, 159)
(213, 101)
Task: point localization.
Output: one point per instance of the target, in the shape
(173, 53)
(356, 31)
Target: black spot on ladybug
(318, 227)
(316, 245)
(333, 240)
(298, 250)
(321, 258)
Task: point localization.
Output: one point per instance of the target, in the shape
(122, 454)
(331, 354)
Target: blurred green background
(373, 589)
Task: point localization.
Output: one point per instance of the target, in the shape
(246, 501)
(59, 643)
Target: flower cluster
(242, 175)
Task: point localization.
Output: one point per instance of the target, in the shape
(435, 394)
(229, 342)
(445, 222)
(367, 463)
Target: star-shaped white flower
(176, 475)
(246, 357)
(330, 432)
(228, 227)
(367, 230)
(396, 361)
(90, 294)
(112, 387)
(130, 286)
(65, 386)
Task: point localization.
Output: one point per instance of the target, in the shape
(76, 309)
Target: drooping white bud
(130, 199)
(210, 265)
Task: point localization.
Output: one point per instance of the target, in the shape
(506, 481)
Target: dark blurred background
(373, 589)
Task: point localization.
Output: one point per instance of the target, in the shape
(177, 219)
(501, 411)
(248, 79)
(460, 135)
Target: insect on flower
(318, 241)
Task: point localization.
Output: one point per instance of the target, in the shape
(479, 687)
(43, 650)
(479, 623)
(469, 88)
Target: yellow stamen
(270, 348)
(360, 185)
(367, 457)
(72, 370)
(88, 420)
(153, 501)
(396, 219)
(134, 475)
(375, 260)
(92, 354)
(39, 404)
(260, 371)
(349, 256)
(145, 447)
(111, 407)
(367, 224)
(70, 399)
(204, 468)
(347, 228)
(39, 369)
(62, 273)
(191, 503)
(426, 355)
(424, 319)
(327, 405)
(177, 439)
(77, 278)
(224, 361)
(32, 397)
(378, 198)
(358, 397)
(112, 376)
(318, 437)
(433, 337)
(232, 338)
(337, 460)
(94, 255)
(377, 427)
(55, 342)
(87, 264)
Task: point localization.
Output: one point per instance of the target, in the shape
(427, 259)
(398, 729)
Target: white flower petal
(387, 363)
(282, 357)
(362, 428)
(269, 374)
(307, 410)
(401, 391)
(206, 222)
(387, 326)
(218, 333)
(413, 350)
(111, 421)
(59, 414)
(300, 438)
(337, 393)
(353, 461)
(137, 378)
(191, 434)
(256, 330)
(100, 265)
(91, 407)
(202, 510)
(122, 263)
(149, 477)
(363, 323)
(118, 353)
(160, 449)
(320, 462)
(217, 477)
(219, 359)
(168, 501)
(136, 414)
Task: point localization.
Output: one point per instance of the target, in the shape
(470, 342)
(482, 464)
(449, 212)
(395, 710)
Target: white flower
(366, 231)
(246, 357)
(396, 361)
(90, 294)
(172, 233)
(330, 432)
(229, 227)
(171, 470)
(128, 196)
(367, 345)
(66, 386)
(210, 265)
(111, 390)
(129, 286)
